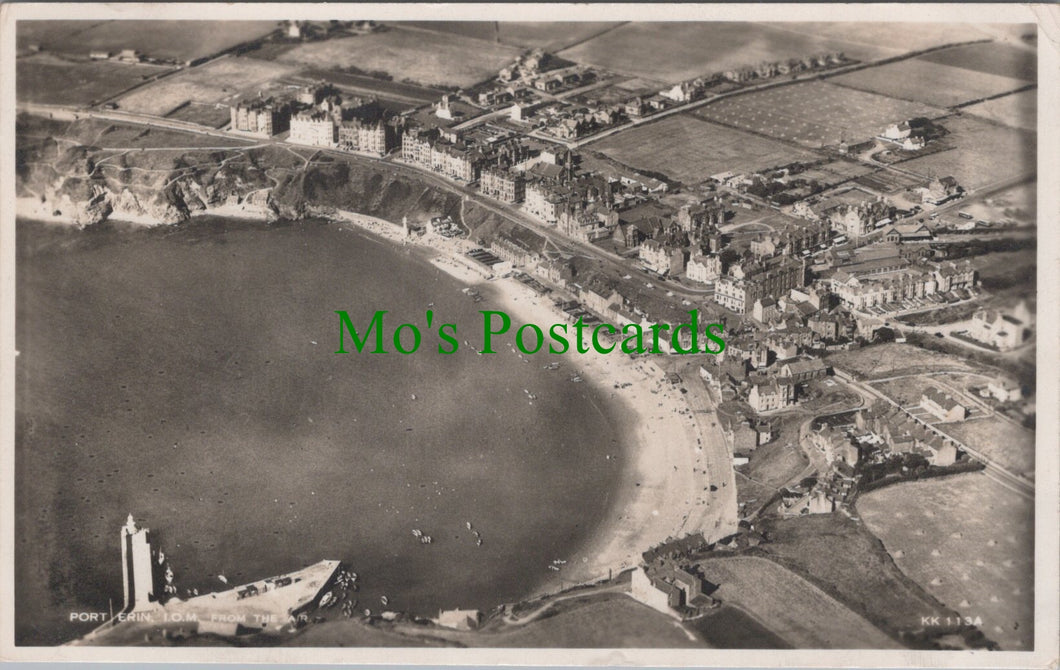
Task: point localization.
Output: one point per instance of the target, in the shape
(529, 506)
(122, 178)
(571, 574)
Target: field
(813, 113)
(177, 40)
(771, 466)
(866, 579)
(884, 181)
(889, 39)
(549, 36)
(420, 56)
(1003, 442)
(222, 80)
(892, 359)
(907, 391)
(999, 59)
(1019, 110)
(986, 153)
(106, 135)
(1000, 440)
(928, 82)
(730, 628)
(618, 621)
(672, 52)
(691, 150)
(370, 85)
(201, 113)
(793, 609)
(969, 542)
(48, 80)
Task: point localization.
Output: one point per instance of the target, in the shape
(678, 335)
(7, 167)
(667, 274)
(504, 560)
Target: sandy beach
(675, 455)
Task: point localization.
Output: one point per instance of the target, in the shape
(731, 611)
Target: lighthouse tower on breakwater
(138, 566)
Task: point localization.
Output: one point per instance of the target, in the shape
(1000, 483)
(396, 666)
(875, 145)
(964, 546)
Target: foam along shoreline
(33, 208)
(672, 455)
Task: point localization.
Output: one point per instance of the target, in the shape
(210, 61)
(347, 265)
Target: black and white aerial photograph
(585, 328)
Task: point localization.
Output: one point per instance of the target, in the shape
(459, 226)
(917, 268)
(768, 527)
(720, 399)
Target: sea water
(188, 375)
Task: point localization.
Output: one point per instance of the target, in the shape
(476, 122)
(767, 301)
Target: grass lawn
(690, 149)
(1008, 269)
(928, 82)
(969, 542)
(53, 81)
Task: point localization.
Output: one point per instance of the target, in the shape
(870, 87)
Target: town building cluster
(318, 116)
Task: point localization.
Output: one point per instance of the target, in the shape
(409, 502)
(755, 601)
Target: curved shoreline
(673, 458)
(664, 489)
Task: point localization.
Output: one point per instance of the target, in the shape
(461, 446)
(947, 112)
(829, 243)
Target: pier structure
(138, 563)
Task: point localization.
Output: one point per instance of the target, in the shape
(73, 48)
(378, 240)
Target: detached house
(943, 405)
(774, 394)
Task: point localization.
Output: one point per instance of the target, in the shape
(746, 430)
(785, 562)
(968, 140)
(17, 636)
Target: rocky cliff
(88, 171)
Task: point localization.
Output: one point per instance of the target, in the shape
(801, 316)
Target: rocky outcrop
(86, 185)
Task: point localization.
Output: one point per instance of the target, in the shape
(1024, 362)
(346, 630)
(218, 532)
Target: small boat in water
(384, 600)
(468, 524)
(416, 532)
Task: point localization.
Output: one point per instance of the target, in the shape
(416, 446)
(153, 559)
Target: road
(613, 261)
(993, 470)
(774, 83)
